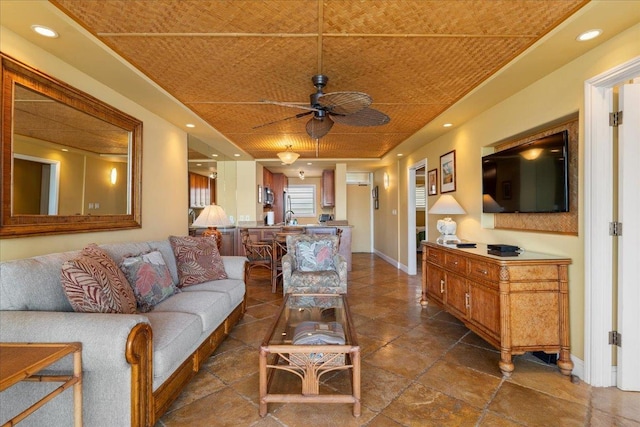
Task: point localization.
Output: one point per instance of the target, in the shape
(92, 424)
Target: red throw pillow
(93, 283)
(198, 259)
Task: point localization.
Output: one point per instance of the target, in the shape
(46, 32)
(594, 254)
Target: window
(421, 199)
(302, 200)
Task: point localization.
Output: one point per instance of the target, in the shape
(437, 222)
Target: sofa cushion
(34, 283)
(314, 255)
(150, 278)
(198, 259)
(211, 307)
(94, 283)
(117, 251)
(175, 337)
(169, 257)
(234, 289)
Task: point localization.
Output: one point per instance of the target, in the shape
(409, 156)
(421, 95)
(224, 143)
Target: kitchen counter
(259, 231)
(261, 225)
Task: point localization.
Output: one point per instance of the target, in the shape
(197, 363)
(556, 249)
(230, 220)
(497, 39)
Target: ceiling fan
(347, 108)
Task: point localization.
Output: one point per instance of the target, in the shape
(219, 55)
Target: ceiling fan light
(287, 157)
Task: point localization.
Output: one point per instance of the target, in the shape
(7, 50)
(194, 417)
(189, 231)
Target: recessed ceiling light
(309, 163)
(400, 154)
(198, 164)
(44, 31)
(447, 125)
(190, 125)
(236, 155)
(589, 35)
(64, 149)
(214, 155)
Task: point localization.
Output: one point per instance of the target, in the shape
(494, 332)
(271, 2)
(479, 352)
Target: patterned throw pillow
(314, 255)
(93, 283)
(150, 278)
(198, 260)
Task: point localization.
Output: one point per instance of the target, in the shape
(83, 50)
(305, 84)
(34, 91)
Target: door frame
(412, 267)
(53, 179)
(598, 212)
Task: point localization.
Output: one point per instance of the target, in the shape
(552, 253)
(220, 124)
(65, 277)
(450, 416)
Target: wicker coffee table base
(309, 363)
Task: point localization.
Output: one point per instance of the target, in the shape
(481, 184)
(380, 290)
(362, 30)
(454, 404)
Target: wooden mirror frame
(12, 226)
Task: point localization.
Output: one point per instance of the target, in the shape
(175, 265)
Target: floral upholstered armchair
(313, 265)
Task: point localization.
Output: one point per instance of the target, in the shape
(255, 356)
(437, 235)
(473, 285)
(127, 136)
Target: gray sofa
(134, 365)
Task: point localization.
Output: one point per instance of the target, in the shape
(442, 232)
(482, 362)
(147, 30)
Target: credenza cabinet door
(435, 283)
(484, 309)
(456, 296)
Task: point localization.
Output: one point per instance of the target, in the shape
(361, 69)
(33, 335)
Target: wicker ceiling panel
(197, 69)
(195, 16)
(414, 57)
(432, 70)
(474, 17)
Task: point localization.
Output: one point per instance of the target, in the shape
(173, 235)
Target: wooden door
(484, 308)
(328, 193)
(455, 296)
(435, 283)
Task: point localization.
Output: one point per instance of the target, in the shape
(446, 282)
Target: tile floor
(420, 367)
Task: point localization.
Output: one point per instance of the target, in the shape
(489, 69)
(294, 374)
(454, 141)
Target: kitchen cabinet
(228, 241)
(517, 304)
(278, 184)
(267, 178)
(328, 189)
(202, 190)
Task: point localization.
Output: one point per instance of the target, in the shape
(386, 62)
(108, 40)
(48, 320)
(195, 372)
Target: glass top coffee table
(311, 336)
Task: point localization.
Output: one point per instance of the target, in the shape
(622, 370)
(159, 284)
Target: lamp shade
(288, 156)
(212, 216)
(447, 205)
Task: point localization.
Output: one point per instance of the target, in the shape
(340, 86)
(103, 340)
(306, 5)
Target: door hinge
(615, 228)
(615, 338)
(615, 119)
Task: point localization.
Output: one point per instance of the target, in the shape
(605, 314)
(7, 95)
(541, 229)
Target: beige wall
(164, 165)
(386, 235)
(359, 216)
(557, 95)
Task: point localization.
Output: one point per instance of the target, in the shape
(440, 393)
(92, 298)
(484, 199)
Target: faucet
(287, 216)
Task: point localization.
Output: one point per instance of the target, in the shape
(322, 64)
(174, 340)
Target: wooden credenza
(517, 304)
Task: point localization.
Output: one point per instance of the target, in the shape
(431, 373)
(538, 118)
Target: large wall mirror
(70, 163)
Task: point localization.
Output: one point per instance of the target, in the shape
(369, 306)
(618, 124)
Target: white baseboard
(578, 367)
(388, 259)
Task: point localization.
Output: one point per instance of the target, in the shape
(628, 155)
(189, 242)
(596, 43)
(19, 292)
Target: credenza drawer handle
(467, 300)
(441, 286)
(485, 272)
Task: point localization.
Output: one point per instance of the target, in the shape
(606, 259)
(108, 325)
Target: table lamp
(212, 216)
(447, 205)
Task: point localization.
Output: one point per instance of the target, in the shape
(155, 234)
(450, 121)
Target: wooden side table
(23, 361)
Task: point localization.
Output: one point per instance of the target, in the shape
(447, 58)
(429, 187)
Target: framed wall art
(448, 172)
(432, 182)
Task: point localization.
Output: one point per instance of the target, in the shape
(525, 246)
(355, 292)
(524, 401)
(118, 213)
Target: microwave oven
(325, 218)
(269, 197)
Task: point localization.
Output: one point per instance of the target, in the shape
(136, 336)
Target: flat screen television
(529, 178)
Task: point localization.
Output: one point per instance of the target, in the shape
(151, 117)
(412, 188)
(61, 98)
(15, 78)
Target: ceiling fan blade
(364, 117)
(289, 104)
(297, 116)
(344, 102)
(317, 128)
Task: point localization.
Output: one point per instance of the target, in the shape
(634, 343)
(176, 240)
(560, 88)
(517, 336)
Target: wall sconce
(385, 179)
(114, 176)
(301, 175)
